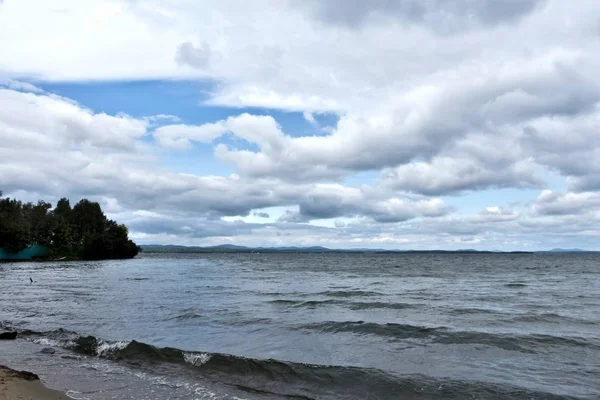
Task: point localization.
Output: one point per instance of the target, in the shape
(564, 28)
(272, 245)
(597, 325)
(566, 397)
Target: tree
(62, 236)
(62, 239)
(116, 241)
(82, 231)
(14, 228)
(87, 220)
(63, 210)
(113, 243)
(41, 223)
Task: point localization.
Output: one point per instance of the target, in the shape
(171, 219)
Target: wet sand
(22, 385)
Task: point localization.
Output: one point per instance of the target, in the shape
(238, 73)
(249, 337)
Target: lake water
(309, 326)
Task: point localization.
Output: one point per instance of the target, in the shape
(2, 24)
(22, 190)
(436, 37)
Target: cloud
(20, 86)
(433, 100)
(567, 145)
(326, 201)
(462, 135)
(565, 203)
(196, 57)
(437, 15)
(261, 214)
(262, 130)
(495, 214)
(284, 59)
(309, 118)
(447, 175)
(475, 162)
(182, 227)
(159, 118)
(179, 137)
(49, 121)
(54, 146)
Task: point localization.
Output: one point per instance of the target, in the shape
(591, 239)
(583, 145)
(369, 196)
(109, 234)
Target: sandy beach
(22, 385)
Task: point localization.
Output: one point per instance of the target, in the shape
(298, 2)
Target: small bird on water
(30, 280)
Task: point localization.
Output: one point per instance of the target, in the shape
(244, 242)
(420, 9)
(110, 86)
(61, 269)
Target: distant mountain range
(558, 250)
(230, 248)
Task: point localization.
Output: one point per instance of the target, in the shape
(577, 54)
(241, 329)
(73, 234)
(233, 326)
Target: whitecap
(105, 348)
(196, 359)
(47, 342)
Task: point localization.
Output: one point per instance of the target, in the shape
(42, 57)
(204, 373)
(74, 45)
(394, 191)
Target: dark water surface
(309, 326)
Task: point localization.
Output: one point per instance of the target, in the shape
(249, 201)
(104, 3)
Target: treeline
(81, 232)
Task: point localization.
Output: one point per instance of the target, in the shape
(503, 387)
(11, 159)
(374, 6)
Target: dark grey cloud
(557, 203)
(450, 176)
(378, 206)
(567, 145)
(445, 15)
(261, 214)
(590, 181)
(325, 206)
(292, 216)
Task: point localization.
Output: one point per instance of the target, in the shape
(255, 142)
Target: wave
(535, 343)
(379, 305)
(515, 285)
(305, 303)
(184, 316)
(361, 305)
(292, 380)
(285, 302)
(465, 311)
(551, 318)
(349, 293)
(398, 331)
(196, 359)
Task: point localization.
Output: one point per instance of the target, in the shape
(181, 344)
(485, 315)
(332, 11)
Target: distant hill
(295, 248)
(558, 250)
(230, 248)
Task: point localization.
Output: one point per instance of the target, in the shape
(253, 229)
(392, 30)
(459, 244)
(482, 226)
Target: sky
(406, 124)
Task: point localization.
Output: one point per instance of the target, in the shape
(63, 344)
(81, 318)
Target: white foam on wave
(106, 367)
(75, 395)
(196, 359)
(199, 392)
(204, 393)
(69, 344)
(105, 348)
(47, 342)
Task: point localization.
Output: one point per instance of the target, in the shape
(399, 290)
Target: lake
(309, 326)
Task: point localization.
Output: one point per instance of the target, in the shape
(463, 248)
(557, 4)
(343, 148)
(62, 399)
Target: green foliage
(87, 220)
(14, 227)
(41, 222)
(79, 232)
(63, 209)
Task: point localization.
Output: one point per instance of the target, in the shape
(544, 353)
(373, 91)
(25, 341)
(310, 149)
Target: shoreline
(23, 385)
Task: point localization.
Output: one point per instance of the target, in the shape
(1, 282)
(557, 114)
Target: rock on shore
(23, 385)
(8, 335)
